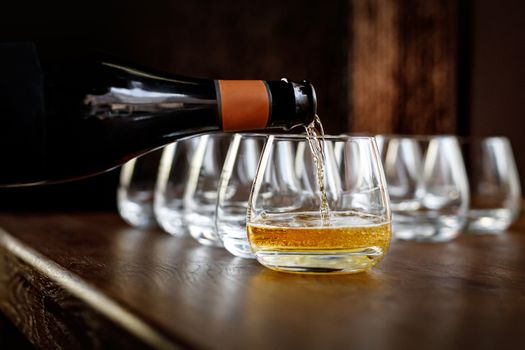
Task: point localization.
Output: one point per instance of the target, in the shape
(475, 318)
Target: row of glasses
(440, 186)
(204, 183)
(201, 188)
(427, 184)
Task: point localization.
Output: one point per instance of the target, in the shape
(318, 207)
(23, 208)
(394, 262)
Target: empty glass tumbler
(135, 192)
(235, 184)
(427, 184)
(172, 178)
(200, 194)
(495, 192)
(287, 229)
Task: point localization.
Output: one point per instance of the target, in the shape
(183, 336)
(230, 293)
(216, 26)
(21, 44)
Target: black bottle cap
(305, 101)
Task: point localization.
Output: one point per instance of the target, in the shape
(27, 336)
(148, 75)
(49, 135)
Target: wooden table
(88, 281)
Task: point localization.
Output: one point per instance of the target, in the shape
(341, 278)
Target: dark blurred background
(398, 66)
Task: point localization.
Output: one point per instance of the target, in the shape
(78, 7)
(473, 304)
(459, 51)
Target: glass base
(423, 229)
(238, 247)
(202, 227)
(329, 262)
(137, 214)
(171, 221)
(205, 235)
(488, 221)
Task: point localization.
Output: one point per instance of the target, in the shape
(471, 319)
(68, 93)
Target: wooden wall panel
(403, 66)
(373, 93)
(498, 74)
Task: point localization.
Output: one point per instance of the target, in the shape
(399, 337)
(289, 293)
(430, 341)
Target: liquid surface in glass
(306, 231)
(301, 242)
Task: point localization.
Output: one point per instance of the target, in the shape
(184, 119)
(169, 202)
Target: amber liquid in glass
(349, 233)
(304, 231)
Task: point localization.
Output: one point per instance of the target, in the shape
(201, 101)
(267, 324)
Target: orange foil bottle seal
(243, 104)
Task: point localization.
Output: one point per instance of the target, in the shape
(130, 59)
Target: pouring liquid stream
(315, 137)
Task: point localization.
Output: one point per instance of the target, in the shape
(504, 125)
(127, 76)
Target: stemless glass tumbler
(427, 184)
(200, 194)
(495, 191)
(171, 182)
(135, 192)
(286, 229)
(235, 184)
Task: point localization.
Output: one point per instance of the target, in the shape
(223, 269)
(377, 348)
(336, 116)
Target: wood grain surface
(403, 66)
(89, 281)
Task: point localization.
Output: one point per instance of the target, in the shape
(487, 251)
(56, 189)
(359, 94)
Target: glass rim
(416, 137)
(476, 139)
(199, 135)
(293, 137)
(209, 135)
(461, 139)
(251, 134)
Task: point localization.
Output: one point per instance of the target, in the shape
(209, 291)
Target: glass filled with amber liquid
(319, 205)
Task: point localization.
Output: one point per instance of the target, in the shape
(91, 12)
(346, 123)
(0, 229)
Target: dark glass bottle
(70, 118)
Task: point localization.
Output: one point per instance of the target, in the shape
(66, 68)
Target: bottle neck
(257, 104)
